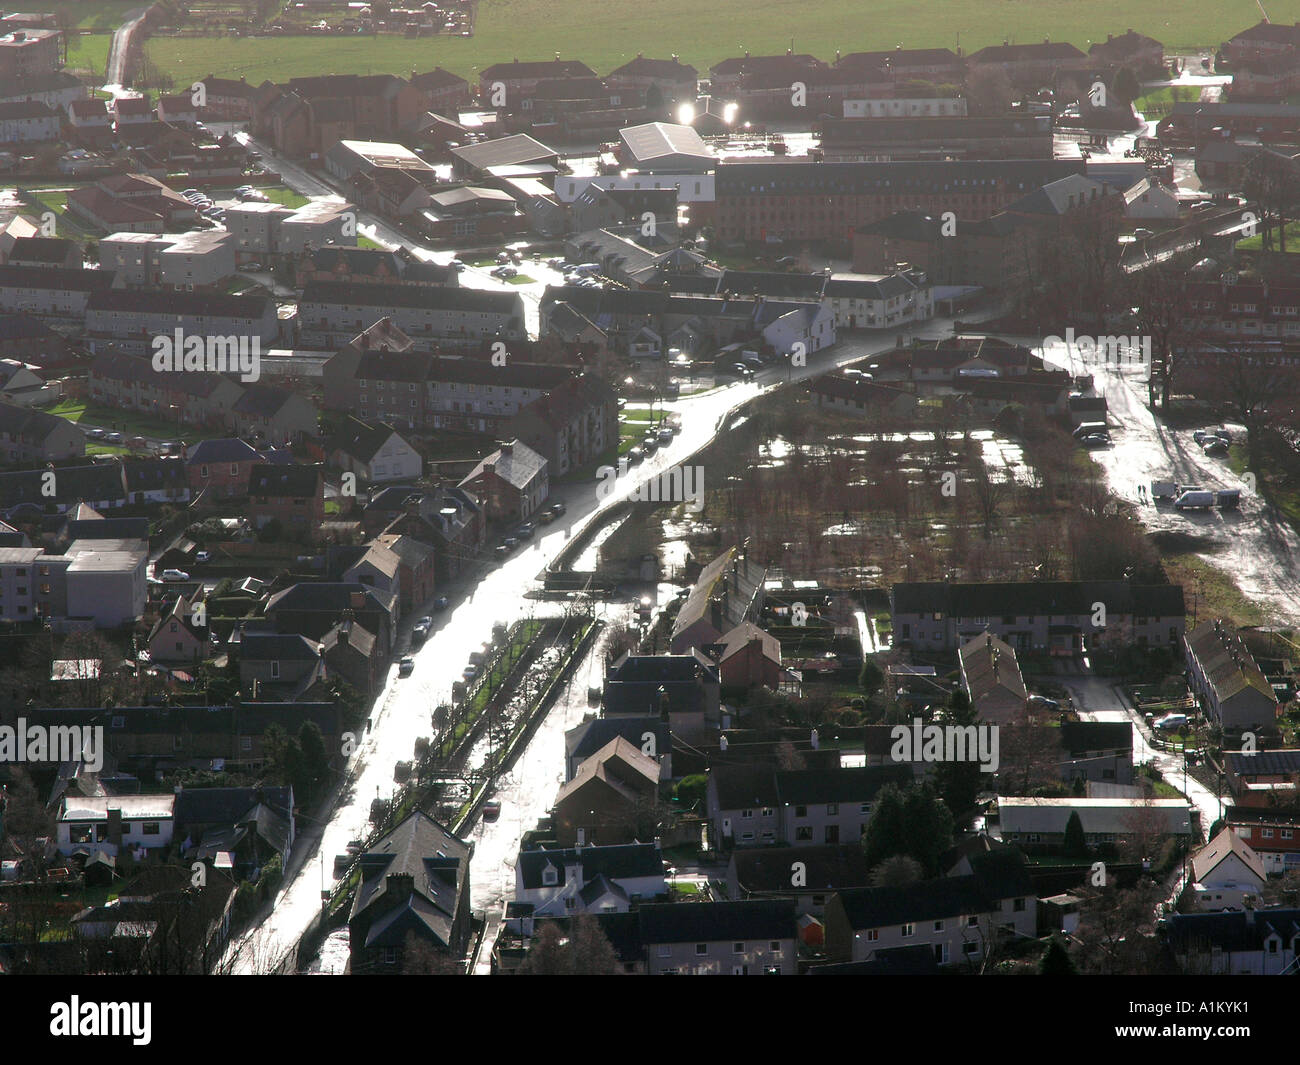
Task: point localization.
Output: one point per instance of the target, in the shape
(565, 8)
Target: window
(1268, 833)
(1018, 906)
(970, 948)
(972, 921)
(550, 876)
(775, 946)
(149, 828)
(665, 951)
(803, 834)
(275, 670)
(832, 809)
(865, 808)
(245, 743)
(801, 811)
(873, 934)
(768, 811)
(938, 926)
(746, 815)
(909, 930)
(391, 955)
(1287, 833)
(701, 949)
(737, 948)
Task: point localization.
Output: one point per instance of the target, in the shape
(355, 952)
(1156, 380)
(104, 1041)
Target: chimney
(400, 886)
(489, 467)
(357, 600)
(508, 447)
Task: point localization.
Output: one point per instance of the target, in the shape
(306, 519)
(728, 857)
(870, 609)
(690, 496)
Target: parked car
(420, 631)
(526, 530)
(665, 437)
(469, 672)
(203, 556)
(96, 434)
(406, 666)
(491, 809)
(114, 438)
(1089, 429)
(635, 456)
(1215, 446)
(440, 603)
(649, 445)
(501, 551)
(510, 543)
(1171, 721)
(1042, 702)
(175, 575)
(1095, 440)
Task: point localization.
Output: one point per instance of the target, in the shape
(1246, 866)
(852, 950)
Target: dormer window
(550, 876)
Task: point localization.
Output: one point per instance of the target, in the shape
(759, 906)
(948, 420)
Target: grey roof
(1264, 763)
(1233, 932)
(1078, 737)
(224, 449)
(228, 805)
(59, 279)
(361, 440)
(175, 303)
(270, 479)
(504, 151)
(1037, 598)
(742, 787)
(423, 297)
(704, 922)
(271, 646)
(622, 862)
(739, 178)
(654, 140)
(828, 868)
(517, 466)
(582, 741)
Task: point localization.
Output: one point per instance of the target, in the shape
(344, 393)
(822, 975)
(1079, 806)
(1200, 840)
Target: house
(752, 938)
(511, 482)
(101, 485)
(1038, 823)
(416, 568)
(991, 676)
(1263, 778)
(748, 657)
(749, 807)
(275, 666)
(567, 882)
(879, 301)
(377, 567)
(1272, 832)
(313, 609)
(50, 292)
(610, 800)
(414, 887)
(28, 435)
(90, 824)
(161, 480)
(1143, 55)
(1226, 874)
(252, 825)
(571, 425)
(652, 735)
(958, 917)
(857, 394)
(291, 495)
(683, 690)
(809, 875)
(1097, 751)
(278, 415)
(671, 80)
(175, 637)
(1030, 65)
(728, 591)
(354, 653)
(45, 252)
(1252, 942)
(374, 451)
(1058, 616)
(1232, 689)
(128, 320)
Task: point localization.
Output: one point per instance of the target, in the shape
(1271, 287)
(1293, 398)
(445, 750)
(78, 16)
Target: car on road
(456, 265)
(440, 603)
(114, 438)
(501, 551)
(96, 434)
(469, 672)
(1095, 440)
(526, 530)
(1171, 721)
(491, 809)
(510, 543)
(175, 575)
(421, 629)
(549, 514)
(203, 556)
(635, 456)
(665, 437)
(406, 666)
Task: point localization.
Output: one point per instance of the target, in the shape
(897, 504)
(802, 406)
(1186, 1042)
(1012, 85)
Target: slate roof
(422, 297)
(740, 178)
(59, 279)
(224, 449)
(705, 922)
(361, 440)
(582, 741)
(228, 805)
(31, 426)
(284, 481)
(1000, 875)
(177, 302)
(624, 862)
(271, 646)
(1078, 737)
(1228, 665)
(1263, 763)
(741, 787)
(517, 467)
(1232, 932)
(767, 869)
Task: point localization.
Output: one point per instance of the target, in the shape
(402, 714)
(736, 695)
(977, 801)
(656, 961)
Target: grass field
(605, 35)
(130, 423)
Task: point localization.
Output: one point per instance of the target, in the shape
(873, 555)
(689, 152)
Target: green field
(605, 35)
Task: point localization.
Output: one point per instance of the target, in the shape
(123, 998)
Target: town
(805, 515)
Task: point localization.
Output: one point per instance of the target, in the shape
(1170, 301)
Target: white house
(558, 883)
(879, 301)
(374, 451)
(1226, 873)
(786, 324)
(107, 823)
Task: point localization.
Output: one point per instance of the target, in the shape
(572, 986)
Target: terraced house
(1231, 687)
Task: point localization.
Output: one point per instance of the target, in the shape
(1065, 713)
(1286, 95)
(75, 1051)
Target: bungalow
(856, 394)
(1097, 751)
(90, 825)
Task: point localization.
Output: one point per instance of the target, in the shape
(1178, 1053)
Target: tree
(585, 951)
(1160, 301)
(871, 677)
(989, 91)
(928, 824)
(788, 756)
(546, 955)
(898, 871)
(1125, 88)
(1056, 960)
(1075, 845)
(885, 835)
(1116, 931)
